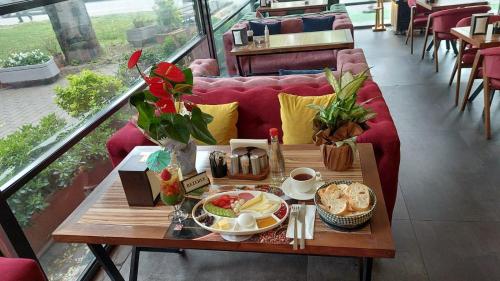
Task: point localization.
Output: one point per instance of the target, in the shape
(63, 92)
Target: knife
(302, 218)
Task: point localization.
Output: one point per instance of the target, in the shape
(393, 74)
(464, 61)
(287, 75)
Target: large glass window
(59, 65)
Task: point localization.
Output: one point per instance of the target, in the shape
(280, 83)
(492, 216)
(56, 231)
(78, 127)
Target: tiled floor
(446, 224)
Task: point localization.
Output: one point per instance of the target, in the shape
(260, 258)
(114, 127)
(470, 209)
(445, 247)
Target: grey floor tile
(459, 251)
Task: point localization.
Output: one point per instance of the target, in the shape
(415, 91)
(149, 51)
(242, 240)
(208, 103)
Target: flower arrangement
(163, 116)
(25, 58)
(339, 123)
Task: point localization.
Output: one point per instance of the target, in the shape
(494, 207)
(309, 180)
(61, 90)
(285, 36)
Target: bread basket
(348, 222)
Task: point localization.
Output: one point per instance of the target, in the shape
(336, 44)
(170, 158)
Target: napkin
(309, 219)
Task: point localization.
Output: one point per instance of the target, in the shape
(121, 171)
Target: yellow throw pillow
(223, 127)
(297, 118)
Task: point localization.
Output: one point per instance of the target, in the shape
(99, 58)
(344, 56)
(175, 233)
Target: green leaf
(158, 160)
(207, 117)
(146, 111)
(176, 127)
(188, 76)
(199, 128)
(332, 80)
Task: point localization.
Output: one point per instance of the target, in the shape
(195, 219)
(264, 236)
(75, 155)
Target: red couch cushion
(20, 270)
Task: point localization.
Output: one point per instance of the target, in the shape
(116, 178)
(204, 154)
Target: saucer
(290, 192)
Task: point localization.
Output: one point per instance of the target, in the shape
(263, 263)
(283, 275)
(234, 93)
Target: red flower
(158, 87)
(166, 105)
(134, 58)
(170, 72)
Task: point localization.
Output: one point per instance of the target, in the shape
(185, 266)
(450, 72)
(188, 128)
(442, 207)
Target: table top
(294, 5)
(105, 217)
(449, 4)
(299, 42)
(478, 41)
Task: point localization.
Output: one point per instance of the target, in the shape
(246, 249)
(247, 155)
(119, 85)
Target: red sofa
(20, 270)
(259, 111)
(298, 60)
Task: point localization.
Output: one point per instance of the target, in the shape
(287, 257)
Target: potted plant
(144, 31)
(337, 125)
(28, 67)
(166, 120)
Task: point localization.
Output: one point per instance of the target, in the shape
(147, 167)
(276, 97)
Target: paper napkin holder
(141, 185)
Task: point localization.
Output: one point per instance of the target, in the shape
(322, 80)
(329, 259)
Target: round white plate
(294, 194)
(235, 238)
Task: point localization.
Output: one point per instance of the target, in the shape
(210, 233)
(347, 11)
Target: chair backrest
(445, 20)
(491, 62)
(466, 21)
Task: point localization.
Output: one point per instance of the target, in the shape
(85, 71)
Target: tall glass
(172, 194)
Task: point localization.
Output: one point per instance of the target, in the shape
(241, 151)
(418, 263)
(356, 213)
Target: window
(70, 62)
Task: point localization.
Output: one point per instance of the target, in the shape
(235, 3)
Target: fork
(294, 214)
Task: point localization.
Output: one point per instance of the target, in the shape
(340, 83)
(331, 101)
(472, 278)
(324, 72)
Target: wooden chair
(491, 82)
(418, 20)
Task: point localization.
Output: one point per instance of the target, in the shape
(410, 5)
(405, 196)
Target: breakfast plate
(289, 191)
(240, 213)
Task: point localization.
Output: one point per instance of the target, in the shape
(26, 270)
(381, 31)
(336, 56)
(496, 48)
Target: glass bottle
(276, 160)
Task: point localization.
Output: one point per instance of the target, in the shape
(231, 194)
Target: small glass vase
(172, 194)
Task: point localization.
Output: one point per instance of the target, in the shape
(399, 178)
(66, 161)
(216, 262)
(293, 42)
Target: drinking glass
(172, 194)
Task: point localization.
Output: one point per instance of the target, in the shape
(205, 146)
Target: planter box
(30, 74)
(140, 36)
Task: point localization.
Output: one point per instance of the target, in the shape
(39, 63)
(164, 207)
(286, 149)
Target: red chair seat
(420, 20)
(20, 270)
(468, 56)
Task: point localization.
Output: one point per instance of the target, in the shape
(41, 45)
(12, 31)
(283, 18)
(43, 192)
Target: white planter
(139, 36)
(29, 73)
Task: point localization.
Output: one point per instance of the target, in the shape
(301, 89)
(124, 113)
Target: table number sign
(240, 37)
(479, 24)
(195, 182)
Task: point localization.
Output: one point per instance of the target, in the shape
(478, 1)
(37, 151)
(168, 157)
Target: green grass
(110, 31)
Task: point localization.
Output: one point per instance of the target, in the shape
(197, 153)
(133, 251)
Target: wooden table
(294, 42)
(295, 5)
(449, 4)
(477, 41)
(105, 218)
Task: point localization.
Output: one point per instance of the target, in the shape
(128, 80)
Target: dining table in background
(477, 41)
(294, 6)
(438, 5)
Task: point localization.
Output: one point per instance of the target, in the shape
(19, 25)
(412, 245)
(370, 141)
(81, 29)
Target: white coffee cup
(303, 179)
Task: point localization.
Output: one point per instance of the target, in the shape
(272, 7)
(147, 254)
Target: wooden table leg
(458, 65)
(105, 261)
(426, 36)
(487, 92)
(473, 72)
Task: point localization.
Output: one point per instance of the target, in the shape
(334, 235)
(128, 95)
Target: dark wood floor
(447, 218)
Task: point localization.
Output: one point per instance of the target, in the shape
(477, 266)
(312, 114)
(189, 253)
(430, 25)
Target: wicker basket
(348, 222)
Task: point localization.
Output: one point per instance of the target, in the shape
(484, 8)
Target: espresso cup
(303, 179)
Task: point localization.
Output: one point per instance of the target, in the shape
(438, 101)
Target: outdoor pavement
(27, 106)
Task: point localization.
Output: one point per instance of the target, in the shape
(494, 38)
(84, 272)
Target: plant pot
(138, 37)
(184, 153)
(337, 158)
(30, 74)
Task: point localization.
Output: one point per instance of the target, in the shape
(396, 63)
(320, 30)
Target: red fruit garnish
(166, 175)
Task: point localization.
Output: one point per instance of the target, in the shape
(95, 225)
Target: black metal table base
(365, 269)
(103, 258)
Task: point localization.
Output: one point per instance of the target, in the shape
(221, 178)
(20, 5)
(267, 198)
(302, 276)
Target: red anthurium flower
(134, 59)
(166, 105)
(170, 72)
(158, 87)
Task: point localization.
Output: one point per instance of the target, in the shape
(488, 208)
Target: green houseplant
(337, 125)
(167, 121)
